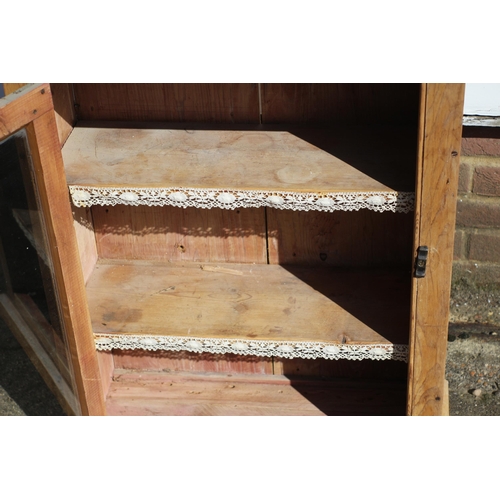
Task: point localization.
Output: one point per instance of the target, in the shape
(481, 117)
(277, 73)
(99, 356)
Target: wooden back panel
(340, 104)
(171, 102)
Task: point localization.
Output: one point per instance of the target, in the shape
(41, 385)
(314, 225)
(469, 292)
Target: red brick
(485, 247)
(480, 146)
(476, 273)
(480, 214)
(465, 177)
(487, 181)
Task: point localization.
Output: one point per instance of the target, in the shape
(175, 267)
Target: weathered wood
(191, 362)
(136, 393)
(106, 363)
(174, 234)
(305, 160)
(62, 96)
(209, 102)
(436, 198)
(87, 247)
(22, 106)
(49, 175)
(264, 302)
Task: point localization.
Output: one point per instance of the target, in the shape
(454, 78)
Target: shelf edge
(378, 201)
(282, 349)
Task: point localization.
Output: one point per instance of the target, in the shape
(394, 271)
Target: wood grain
(22, 106)
(223, 103)
(174, 234)
(86, 241)
(167, 361)
(62, 96)
(264, 302)
(49, 176)
(136, 393)
(305, 160)
(106, 363)
(438, 166)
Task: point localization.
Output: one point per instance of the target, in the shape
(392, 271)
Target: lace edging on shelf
(85, 196)
(290, 350)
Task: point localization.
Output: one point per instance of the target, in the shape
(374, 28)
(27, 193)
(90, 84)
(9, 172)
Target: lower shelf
(153, 393)
(260, 310)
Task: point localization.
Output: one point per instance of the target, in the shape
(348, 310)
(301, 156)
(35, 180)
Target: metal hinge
(421, 261)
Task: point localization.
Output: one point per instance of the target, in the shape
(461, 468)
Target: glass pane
(26, 274)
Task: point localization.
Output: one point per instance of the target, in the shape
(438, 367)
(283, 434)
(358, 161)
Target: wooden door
(438, 161)
(42, 293)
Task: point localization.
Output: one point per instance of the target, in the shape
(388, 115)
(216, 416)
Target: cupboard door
(435, 207)
(42, 294)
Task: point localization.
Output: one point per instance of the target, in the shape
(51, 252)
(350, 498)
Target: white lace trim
(379, 201)
(290, 350)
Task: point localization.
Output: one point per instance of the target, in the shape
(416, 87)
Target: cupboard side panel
(62, 96)
(85, 237)
(436, 198)
(176, 234)
(171, 102)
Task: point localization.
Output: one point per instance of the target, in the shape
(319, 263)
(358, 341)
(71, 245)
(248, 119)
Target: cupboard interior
(352, 266)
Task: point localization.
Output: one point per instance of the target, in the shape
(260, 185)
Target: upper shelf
(298, 169)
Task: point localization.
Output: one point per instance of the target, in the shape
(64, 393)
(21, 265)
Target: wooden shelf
(312, 161)
(154, 393)
(253, 309)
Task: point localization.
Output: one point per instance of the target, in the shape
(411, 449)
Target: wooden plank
(106, 369)
(23, 105)
(304, 160)
(341, 104)
(134, 393)
(174, 234)
(62, 96)
(191, 362)
(49, 176)
(40, 359)
(223, 103)
(260, 302)
(87, 247)
(437, 174)
(352, 239)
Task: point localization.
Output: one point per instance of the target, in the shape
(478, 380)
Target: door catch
(421, 261)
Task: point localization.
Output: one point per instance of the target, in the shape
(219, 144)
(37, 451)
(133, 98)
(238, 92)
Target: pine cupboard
(231, 249)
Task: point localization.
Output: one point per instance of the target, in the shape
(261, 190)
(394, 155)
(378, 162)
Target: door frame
(31, 108)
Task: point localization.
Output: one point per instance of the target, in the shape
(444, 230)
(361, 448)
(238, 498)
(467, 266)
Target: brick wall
(477, 237)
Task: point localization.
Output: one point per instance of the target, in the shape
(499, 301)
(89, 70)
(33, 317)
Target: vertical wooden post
(50, 178)
(435, 207)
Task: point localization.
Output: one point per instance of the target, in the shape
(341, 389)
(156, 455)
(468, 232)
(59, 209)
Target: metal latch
(421, 262)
